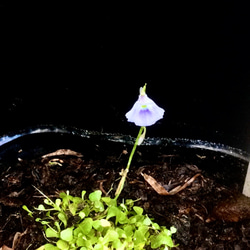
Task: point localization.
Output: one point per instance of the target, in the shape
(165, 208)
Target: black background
(82, 65)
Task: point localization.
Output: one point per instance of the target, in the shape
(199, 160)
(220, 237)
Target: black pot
(226, 164)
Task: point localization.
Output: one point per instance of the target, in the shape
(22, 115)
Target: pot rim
(127, 139)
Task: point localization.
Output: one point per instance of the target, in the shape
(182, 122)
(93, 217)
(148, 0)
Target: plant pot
(171, 162)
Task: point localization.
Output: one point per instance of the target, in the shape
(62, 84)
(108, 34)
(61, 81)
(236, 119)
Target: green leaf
(62, 217)
(94, 239)
(137, 219)
(77, 200)
(57, 224)
(80, 242)
(138, 210)
(50, 247)
(51, 233)
(86, 211)
(98, 206)
(111, 235)
(96, 195)
(58, 202)
(156, 226)
(124, 208)
(63, 245)
(41, 208)
(43, 222)
(48, 202)
(117, 244)
(73, 208)
(98, 247)
(128, 229)
(108, 201)
(97, 225)
(63, 195)
(105, 223)
(173, 230)
(81, 214)
(48, 213)
(66, 198)
(84, 243)
(86, 226)
(161, 239)
(113, 211)
(30, 213)
(83, 194)
(67, 234)
(38, 219)
(139, 237)
(121, 233)
(120, 216)
(147, 221)
(129, 203)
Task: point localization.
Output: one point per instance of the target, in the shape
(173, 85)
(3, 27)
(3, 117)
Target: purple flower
(145, 112)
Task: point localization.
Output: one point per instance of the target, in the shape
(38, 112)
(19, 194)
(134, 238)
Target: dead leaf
(6, 248)
(179, 188)
(16, 241)
(161, 190)
(17, 238)
(63, 152)
(155, 185)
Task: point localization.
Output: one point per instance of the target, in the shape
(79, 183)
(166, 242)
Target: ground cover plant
(98, 222)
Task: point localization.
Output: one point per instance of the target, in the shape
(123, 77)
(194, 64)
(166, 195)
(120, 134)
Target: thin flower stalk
(144, 113)
(142, 132)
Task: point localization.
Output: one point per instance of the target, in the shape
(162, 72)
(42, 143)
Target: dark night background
(82, 65)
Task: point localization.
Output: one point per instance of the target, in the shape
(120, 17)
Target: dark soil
(194, 211)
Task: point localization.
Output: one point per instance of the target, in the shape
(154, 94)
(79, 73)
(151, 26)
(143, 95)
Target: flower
(145, 112)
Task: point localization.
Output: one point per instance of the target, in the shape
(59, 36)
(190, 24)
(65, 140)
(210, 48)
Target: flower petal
(145, 112)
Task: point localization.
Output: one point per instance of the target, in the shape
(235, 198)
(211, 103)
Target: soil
(205, 213)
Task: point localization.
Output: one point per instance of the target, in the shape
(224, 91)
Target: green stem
(125, 172)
